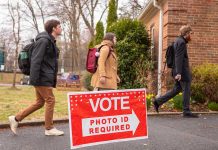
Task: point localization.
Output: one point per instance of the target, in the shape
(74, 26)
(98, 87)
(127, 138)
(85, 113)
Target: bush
(205, 83)
(178, 102)
(133, 52)
(149, 100)
(91, 43)
(198, 93)
(213, 106)
(87, 81)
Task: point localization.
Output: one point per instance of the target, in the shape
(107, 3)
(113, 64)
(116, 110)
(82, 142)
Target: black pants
(180, 86)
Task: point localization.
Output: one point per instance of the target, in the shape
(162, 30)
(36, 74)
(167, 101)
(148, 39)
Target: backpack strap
(109, 49)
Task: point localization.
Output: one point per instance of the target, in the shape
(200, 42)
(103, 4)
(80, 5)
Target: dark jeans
(180, 86)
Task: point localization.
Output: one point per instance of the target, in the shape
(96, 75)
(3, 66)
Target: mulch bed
(194, 108)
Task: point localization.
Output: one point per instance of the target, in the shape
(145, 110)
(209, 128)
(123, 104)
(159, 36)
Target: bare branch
(30, 7)
(41, 10)
(103, 12)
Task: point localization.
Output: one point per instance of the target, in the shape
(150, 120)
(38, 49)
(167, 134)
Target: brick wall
(202, 15)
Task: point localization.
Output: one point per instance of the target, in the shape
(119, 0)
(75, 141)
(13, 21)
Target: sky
(4, 19)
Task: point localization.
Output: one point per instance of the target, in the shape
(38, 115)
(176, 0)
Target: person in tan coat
(106, 78)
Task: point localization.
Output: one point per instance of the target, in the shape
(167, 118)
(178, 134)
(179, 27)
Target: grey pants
(180, 86)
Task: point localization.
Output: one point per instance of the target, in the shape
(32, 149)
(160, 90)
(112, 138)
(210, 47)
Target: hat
(185, 29)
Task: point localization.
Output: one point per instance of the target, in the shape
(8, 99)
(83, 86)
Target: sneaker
(54, 131)
(190, 115)
(13, 124)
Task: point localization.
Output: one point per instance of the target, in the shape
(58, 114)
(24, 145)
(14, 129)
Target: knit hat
(185, 29)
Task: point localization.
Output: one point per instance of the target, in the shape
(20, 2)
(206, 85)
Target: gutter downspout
(160, 46)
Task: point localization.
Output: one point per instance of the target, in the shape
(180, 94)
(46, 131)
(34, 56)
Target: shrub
(205, 83)
(198, 93)
(178, 102)
(213, 106)
(91, 43)
(133, 52)
(87, 81)
(149, 100)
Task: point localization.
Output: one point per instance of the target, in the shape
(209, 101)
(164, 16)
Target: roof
(149, 6)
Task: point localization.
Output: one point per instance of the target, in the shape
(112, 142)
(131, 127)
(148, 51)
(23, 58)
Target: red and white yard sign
(107, 116)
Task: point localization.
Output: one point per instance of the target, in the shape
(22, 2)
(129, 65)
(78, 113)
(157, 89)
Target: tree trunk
(15, 67)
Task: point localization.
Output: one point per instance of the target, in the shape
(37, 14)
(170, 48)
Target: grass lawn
(12, 101)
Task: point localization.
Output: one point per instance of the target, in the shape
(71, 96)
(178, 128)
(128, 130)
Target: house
(163, 18)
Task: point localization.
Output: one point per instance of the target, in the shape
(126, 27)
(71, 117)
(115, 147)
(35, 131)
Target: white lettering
(105, 104)
(125, 100)
(102, 106)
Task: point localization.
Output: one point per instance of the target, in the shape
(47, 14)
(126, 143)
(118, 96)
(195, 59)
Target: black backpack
(170, 56)
(24, 58)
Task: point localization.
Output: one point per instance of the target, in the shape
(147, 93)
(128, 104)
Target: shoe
(54, 132)
(190, 115)
(13, 124)
(156, 106)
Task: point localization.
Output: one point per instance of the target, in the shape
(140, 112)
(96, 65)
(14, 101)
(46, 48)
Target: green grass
(12, 101)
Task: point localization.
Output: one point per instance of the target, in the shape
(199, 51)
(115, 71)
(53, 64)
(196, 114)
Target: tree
(6, 39)
(35, 12)
(133, 51)
(41, 7)
(99, 35)
(87, 9)
(31, 14)
(112, 13)
(99, 32)
(15, 17)
(71, 13)
(131, 9)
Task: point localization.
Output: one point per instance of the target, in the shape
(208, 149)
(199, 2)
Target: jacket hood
(43, 35)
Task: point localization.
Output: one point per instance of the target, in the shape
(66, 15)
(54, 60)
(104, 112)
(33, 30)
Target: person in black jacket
(43, 73)
(181, 73)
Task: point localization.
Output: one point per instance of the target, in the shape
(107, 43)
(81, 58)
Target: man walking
(181, 73)
(43, 73)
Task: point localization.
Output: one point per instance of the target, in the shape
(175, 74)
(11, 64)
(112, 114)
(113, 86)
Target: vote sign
(107, 116)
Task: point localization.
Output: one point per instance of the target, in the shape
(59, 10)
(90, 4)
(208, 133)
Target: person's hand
(178, 77)
(102, 80)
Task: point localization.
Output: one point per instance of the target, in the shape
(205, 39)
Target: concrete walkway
(166, 132)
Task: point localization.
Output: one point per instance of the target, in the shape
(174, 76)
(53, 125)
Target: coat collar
(111, 45)
(186, 41)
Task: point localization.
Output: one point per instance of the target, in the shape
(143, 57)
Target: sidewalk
(165, 132)
(66, 120)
